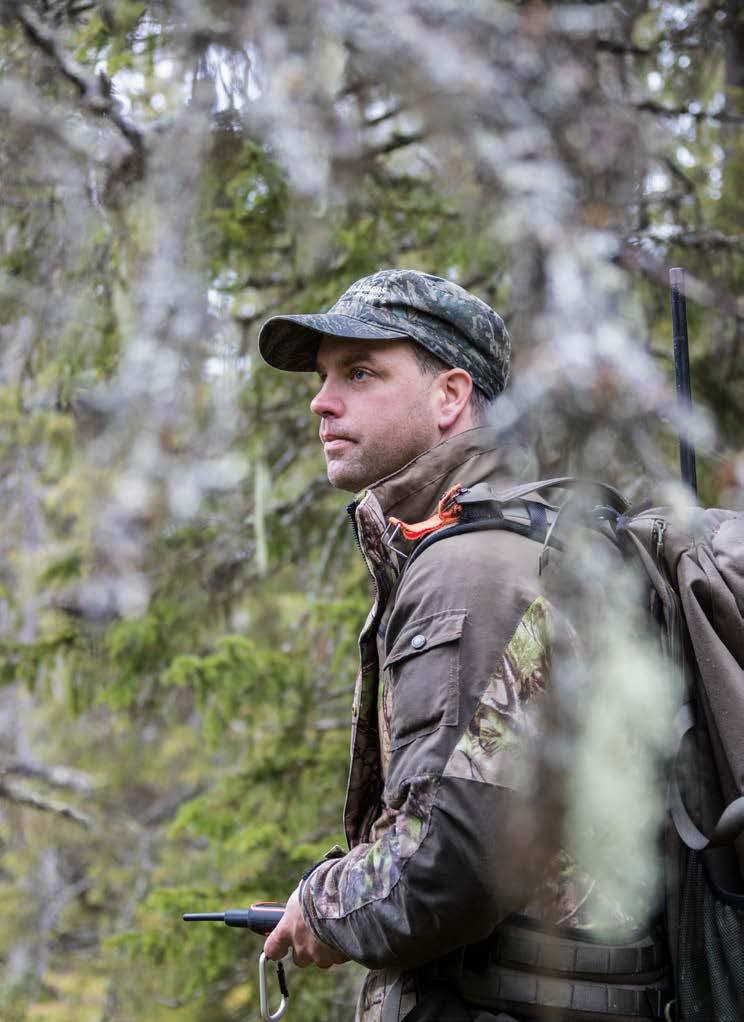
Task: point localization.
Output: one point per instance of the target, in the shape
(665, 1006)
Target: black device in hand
(262, 917)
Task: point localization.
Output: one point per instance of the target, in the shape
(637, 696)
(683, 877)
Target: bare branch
(660, 110)
(398, 140)
(621, 49)
(165, 808)
(32, 801)
(292, 510)
(332, 537)
(632, 257)
(95, 92)
(58, 776)
(697, 239)
(393, 111)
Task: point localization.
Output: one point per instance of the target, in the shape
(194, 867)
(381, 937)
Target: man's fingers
(293, 934)
(315, 953)
(276, 946)
(301, 958)
(304, 951)
(330, 961)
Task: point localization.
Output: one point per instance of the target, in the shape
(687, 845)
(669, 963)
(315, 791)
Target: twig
(632, 257)
(398, 140)
(58, 776)
(95, 92)
(652, 107)
(393, 111)
(32, 801)
(622, 49)
(697, 239)
(332, 536)
(165, 808)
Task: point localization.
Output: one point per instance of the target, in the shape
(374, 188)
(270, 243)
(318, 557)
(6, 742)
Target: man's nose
(326, 401)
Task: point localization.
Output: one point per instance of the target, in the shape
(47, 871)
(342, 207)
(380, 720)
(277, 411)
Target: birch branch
(30, 800)
(58, 776)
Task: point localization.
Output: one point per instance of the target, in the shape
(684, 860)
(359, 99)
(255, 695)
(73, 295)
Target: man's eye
(358, 374)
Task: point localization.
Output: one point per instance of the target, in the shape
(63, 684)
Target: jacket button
(418, 641)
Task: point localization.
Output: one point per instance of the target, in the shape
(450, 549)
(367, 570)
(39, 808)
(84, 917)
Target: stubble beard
(355, 472)
(380, 451)
(367, 464)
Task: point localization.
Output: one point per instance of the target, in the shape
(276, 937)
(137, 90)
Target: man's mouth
(329, 437)
(333, 442)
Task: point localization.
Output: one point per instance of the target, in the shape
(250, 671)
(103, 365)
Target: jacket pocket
(422, 670)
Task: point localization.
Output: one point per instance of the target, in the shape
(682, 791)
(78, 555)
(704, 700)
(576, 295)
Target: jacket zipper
(658, 533)
(676, 643)
(351, 510)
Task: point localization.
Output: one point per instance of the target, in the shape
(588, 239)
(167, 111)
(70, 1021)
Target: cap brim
(292, 342)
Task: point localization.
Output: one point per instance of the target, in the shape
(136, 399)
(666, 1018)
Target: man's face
(377, 409)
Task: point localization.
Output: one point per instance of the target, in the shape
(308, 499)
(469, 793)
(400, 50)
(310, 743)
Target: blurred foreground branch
(96, 92)
(30, 800)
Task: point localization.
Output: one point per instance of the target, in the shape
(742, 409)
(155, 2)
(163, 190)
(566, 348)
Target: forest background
(179, 590)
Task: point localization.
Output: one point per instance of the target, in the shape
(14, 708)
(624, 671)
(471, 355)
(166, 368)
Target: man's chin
(346, 483)
(346, 477)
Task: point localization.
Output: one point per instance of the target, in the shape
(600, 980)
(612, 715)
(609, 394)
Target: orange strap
(448, 513)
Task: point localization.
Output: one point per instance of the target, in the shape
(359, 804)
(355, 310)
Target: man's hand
(292, 932)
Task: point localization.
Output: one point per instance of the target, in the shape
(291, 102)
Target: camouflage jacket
(455, 661)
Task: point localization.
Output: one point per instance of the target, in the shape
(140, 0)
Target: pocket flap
(426, 633)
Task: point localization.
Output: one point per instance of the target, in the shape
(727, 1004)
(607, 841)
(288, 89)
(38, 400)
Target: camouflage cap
(394, 305)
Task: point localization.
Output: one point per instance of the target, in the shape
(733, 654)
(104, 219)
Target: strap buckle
(448, 512)
(392, 531)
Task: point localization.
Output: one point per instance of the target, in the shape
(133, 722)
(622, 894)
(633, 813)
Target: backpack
(696, 570)
(694, 575)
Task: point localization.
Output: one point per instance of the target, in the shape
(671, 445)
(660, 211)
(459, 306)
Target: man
(444, 839)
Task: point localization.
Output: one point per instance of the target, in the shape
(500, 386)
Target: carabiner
(263, 998)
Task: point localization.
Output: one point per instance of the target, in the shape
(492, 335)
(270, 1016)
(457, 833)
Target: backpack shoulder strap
(483, 492)
(730, 823)
(482, 507)
(534, 531)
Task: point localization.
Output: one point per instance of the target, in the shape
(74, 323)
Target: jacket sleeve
(456, 846)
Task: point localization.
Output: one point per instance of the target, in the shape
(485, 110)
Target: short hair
(431, 365)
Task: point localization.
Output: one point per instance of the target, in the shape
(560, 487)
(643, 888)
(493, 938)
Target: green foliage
(138, 648)
(25, 662)
(245, 205)
(206, 718)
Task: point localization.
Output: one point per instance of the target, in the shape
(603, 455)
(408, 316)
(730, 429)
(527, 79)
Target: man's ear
(454, 388)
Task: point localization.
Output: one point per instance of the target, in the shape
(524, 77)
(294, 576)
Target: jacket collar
(413, 492)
